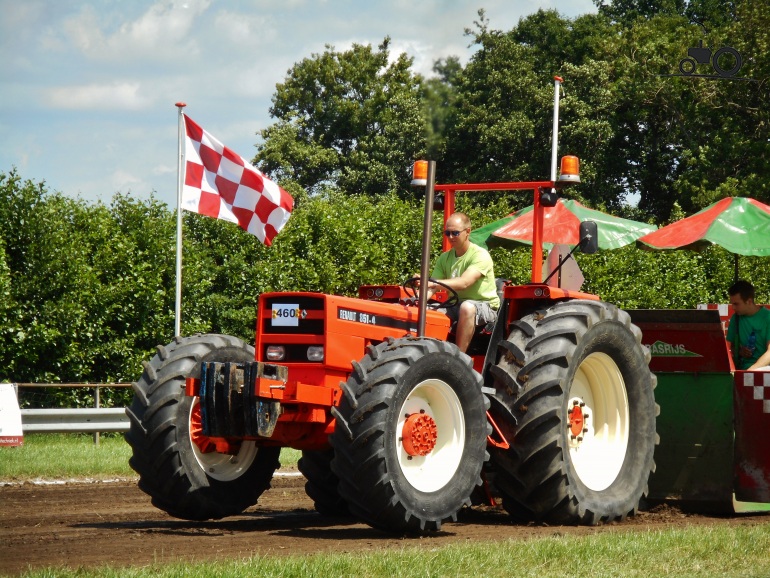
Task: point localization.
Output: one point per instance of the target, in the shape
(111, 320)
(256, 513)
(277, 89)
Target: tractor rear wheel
(410, 436)
(574, 394)
(179, 468)
(321, 485)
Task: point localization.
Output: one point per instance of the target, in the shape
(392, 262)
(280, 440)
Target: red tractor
(396, 426)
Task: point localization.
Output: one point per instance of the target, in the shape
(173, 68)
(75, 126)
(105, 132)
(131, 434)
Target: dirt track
(92, 524)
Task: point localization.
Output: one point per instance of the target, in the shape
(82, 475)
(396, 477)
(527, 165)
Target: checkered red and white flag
(221, 184)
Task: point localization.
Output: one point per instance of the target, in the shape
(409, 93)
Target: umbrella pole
(735, 256)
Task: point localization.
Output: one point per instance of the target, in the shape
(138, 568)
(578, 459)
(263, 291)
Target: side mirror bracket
(589, 237)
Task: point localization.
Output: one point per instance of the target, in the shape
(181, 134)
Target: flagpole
(179, 184)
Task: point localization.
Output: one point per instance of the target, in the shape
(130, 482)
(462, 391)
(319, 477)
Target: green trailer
(714, 422)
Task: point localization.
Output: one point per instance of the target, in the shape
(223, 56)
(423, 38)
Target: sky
(88, 88)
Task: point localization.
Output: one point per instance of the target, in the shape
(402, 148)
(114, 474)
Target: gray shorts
(484, 313)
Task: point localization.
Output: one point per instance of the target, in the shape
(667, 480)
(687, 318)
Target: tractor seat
(480, 340)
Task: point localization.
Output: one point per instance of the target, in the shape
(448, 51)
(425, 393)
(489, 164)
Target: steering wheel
(410, 286)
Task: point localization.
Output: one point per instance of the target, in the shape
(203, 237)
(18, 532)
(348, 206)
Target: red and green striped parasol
(738, 224)
(560, 226)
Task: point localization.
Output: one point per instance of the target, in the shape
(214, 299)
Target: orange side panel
(341, 348)
(375, 320)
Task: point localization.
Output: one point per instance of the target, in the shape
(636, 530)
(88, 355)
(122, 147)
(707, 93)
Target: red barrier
(752, 436)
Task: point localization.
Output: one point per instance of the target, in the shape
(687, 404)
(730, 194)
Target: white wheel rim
(224, 467)
(599, 450)
(433, 471)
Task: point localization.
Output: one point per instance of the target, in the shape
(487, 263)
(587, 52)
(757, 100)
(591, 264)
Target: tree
(346, 119)
(732, 120)
(628, 12)
(687, 139)
(91, 286)
(7, 304)
(706, 13)
(499, 128)
(87, 290)
(51, 284)
(440, 95)
(640, 133)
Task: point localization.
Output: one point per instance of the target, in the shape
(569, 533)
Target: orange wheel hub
(576, 420)
(419, 434)
(205, 443)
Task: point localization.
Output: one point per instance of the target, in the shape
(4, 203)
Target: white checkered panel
(760, 382)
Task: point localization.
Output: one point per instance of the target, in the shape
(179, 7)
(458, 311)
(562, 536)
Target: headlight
(315, 353)
(275, 352)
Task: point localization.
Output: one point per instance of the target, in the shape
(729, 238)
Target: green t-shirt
(449, 266)
(759, 323)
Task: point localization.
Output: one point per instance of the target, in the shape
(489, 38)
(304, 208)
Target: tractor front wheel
(410, 437)
(185, 473)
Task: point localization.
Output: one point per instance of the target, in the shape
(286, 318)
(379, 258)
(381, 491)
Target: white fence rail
(81, 420)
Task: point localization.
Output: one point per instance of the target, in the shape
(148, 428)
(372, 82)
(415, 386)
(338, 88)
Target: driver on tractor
(467, 269)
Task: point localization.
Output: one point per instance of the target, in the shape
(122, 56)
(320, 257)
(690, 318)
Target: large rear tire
(186, 479)
(321, 485)
(574, 393)
(410, 437)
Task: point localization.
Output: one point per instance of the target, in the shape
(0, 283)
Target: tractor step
(230, 406)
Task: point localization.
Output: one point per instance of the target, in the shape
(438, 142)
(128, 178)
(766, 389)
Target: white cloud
(114, 96)
(163, 170)
(244, 30)
(67, 65)
(83, 31)
(161, 32)
(424, 55)
(20, 17)
(123, 180)
(257, 79)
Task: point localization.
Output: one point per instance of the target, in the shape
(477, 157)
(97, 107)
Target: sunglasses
(452, 233)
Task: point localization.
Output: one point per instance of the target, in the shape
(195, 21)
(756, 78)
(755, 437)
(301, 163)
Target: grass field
(62, 456)
(740, 552)
(718, 550)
